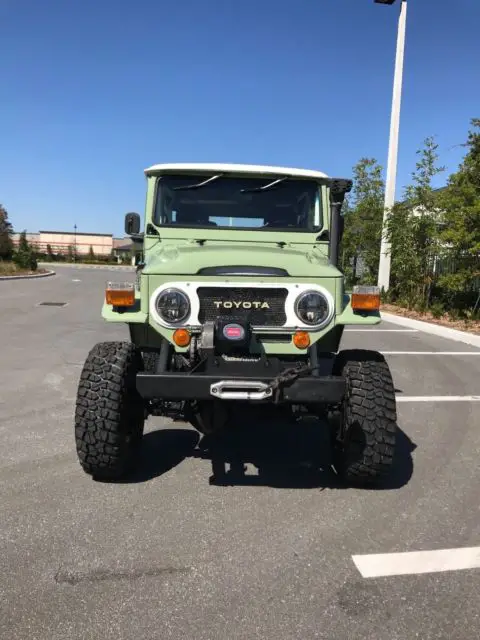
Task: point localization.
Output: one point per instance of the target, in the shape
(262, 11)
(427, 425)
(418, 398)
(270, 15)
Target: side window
(317, 217)
(304, 210)
(167, 213)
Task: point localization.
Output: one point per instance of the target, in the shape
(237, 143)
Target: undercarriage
(210, 380)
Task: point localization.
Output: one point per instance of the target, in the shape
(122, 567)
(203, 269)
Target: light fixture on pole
(385, 257)
(74, 242)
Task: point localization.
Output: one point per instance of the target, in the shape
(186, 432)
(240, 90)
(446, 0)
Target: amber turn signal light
(120, 294)
(181, 337)
(366, 298)
(301, 339)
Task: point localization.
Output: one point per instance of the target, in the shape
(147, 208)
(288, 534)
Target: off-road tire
(367, 428)
(109, 414)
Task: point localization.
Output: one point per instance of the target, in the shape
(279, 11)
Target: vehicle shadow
(161, 451)
(291, 456)
(295, 456)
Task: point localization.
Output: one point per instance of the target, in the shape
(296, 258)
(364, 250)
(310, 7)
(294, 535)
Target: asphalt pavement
(167, 555)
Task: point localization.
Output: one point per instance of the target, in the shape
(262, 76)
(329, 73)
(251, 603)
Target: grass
(11, 269)
(436, 317)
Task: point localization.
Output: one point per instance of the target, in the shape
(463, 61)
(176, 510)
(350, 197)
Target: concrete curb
(33, 276)
(432, 328)
(106, 267)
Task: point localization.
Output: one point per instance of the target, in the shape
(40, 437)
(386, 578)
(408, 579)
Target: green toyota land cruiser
(238, 299)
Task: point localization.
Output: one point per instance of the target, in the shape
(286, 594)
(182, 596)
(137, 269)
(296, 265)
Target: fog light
(181, 337)
(301, 339)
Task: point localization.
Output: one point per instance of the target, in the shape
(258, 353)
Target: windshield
(206, 201)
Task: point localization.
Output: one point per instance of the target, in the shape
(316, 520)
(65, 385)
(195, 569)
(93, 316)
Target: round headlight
(312, 308)
(173, 306)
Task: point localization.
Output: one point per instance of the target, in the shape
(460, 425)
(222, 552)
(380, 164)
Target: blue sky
(95, 91)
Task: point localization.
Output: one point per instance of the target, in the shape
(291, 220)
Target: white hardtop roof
(199, 167)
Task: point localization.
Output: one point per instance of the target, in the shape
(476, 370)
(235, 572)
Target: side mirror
(132, 224)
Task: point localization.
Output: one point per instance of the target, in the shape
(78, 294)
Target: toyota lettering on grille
(263, 307)
(244, 304)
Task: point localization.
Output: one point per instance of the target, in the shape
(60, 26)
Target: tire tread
(109, 414)
(370, 416)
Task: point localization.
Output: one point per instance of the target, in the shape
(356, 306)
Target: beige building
(32, 238)
(60, 241)
(122, 246)
(102, 244)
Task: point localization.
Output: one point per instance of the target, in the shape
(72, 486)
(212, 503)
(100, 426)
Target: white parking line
(431, 353)
(414, 562)
(381, 330)
(400, 398)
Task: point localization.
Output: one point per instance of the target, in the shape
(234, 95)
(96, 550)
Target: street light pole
(74, 243)
(385, 257)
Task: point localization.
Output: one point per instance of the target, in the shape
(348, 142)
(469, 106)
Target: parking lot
(167, 555)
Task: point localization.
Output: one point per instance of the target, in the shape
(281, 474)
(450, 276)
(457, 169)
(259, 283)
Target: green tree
(363, 212)
(460, 234)
(70, 253)
(91, 255)
(6, 231)
(23, 244)
(25, 257)
(50, 254)
(413, 231)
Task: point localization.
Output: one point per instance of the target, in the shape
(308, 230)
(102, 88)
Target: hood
(194, 258)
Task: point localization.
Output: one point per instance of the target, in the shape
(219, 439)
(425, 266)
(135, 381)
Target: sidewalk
(432, 328)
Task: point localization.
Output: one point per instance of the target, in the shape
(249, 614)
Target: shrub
(25, 259)
(437, 309)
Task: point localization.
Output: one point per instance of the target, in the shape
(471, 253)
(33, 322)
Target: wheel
(367, 421)
(109, 414)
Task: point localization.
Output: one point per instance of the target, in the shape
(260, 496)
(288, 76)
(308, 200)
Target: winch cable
(288, 376)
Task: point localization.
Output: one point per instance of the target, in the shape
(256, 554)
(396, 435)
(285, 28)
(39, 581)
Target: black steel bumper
(182, 386)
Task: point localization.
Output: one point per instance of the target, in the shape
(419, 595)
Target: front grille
(243, 304)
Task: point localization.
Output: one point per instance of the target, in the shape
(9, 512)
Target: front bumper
(184, 386)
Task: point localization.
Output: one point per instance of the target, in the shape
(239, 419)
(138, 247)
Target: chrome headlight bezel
(186, 301)
(326, 302)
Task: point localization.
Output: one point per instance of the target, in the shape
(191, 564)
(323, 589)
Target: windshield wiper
(198, 184)
(265, 186)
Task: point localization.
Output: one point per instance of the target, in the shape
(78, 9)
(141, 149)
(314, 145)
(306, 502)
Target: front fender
(133, 316)
(349, 316)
